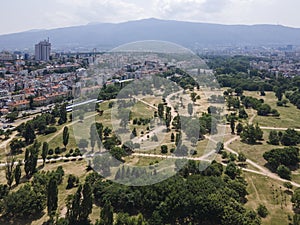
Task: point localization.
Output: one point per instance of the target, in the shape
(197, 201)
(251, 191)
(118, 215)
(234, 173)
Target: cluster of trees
(290, 137)
(163, 203)
(250, 133)
(230, 73)
(31, 199)
(282, 159)
(259, 105)
(185, 81)
(108, 92)
(42, 124)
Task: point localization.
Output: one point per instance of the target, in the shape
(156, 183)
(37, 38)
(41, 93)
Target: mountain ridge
(105, 36)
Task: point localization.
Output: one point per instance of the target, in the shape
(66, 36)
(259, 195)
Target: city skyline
(64, 13)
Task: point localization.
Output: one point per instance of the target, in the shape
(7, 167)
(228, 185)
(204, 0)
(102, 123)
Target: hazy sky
(19, 15)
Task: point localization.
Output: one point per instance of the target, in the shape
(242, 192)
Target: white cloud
(24, 15)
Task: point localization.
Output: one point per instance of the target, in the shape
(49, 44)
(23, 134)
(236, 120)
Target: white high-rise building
(42, 51)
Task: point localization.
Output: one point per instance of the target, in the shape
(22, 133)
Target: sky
(18, 15)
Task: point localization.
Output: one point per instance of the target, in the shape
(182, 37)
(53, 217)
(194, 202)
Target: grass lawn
(254, 152)
(289, 116)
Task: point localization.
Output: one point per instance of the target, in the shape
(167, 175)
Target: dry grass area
(254, 152)
(263, 190)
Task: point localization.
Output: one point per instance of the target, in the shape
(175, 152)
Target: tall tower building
(42, 50)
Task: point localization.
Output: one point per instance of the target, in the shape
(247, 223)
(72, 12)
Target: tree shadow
(289, 192)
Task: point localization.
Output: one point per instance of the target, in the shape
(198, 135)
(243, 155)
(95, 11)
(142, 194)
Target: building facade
(42, 51)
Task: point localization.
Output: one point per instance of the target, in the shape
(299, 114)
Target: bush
(50, 130)
(284, 172)
(50, 152)
(72, 181)
(262, 211)
(58, 150)
(279, 103)
(164, 149)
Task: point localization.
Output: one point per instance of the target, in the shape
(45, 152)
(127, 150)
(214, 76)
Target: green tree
(31, 158)
(45, 150)
(24, 203)
(172, 137)
(164, 149)
(62, 114)
(72, 181)
(242, 157)
(18, 173)
(288, 185)
(106, 215)
(52, 197)
(9, 171)
(73, 206)
(11, 117)
(284, 172)
(290, 137)
(16, 146)
(86, 203)
(106, 132)
(65, 136)
(264, 110)
(296, 198)
(29, 133)
(134, 133)
(160, 110)
(231, 170)
(190, 109)
(273, 138)
(239, 128)
(232, 125)
(251, 134)
(262, 211)
(238, 91)
(168, 118)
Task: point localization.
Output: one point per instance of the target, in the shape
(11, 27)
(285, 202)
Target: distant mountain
(188, 34)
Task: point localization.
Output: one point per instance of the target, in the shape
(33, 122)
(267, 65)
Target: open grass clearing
(289, 116)
(263, 190)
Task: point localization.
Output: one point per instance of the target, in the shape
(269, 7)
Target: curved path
(262, 170)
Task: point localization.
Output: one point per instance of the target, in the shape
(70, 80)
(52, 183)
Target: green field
(289, 116)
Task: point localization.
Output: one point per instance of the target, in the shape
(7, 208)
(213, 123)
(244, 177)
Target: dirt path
(158, 129)
(255, 189)
(264, 171)
(252, 117)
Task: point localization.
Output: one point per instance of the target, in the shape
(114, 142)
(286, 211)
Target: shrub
(262, 211)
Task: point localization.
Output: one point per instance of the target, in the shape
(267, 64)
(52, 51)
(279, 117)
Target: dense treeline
(212, 196)
(282, 159)
(235, 72)
(163, 203)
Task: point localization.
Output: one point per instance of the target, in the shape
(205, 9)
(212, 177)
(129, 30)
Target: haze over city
(32, 14)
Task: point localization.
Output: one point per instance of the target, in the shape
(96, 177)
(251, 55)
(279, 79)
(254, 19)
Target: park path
(263, 171)
(158, 129)
(252, 117)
